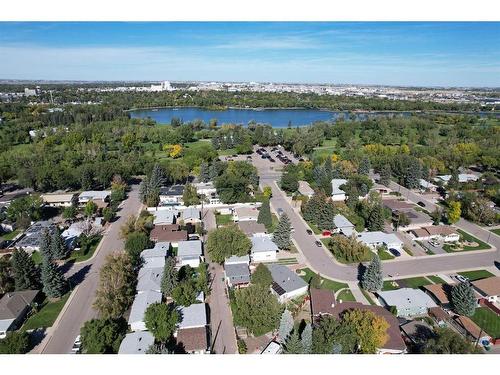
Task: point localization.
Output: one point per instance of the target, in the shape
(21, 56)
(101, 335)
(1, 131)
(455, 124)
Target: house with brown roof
(323, 303)
(440, 293)
(488, 288)
(168, 233)
(397, 206)
(14, 307)
(472, 331)
(252, 227)
(192, 331)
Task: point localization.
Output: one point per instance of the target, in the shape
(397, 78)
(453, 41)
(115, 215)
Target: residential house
(286, 284)
(272, 348)
(189, 253)
(376, 239)
(426, 185)
(470, 329)
(160, 250)
(396, 206)
(236, 271)
(191, 215)
(305, 189)
(440, 293)
(462, 178)
(164, 217)
(245, 213)
(136, 343)
(408, 302)
(8, 226)
(342, 225)
(172, 195)
(443, 232)
(263, 249)
(338, 195)
(100, 198)
(488, 289)
(417, 220)
(208, 191)
(394, 344)
(381, 189)
(192, 332)
(251, 228)
(14, 307)
(139, 306)
(58, 200)
(168, 233)
(322, 302)
(32, 237)
(149, 279)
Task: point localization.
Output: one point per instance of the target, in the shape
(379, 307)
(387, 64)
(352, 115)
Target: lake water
(279, 118)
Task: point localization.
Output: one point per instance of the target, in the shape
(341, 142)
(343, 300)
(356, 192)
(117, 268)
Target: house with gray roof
(149, 279)
(159, 250)
(193, 316)
(189, 253)
(14, 306)
(245, 259)
(191, 215)
(136, 343)
(164, 217)
(338, 195)
(237, 275)
(377, 238)
(342, 225)
(286, 284)
(408, 302)
(139, 307)
(263, 249)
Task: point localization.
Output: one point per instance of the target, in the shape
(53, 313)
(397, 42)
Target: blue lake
(279, 118)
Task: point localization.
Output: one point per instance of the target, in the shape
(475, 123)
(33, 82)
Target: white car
(462, 279)
(77, 345)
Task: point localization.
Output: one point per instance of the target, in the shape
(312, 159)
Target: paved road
(221, 318)
(80, 308)
(322, 261)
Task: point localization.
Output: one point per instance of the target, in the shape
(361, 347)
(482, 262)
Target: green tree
(267, 192)
(135, 243)
(57, 245)
(385, 175)
(26, 274)
(372, 279)
(170, 277)
(46, 249)
(306, 338)
(256, 309)
(161, 320)
(447, 341)
(116, 289)
(463, 299)
(25, 209)
(454, 212)
(265, 215)
(100, 336)
(364, 166)
(436, 216)
(54, 283)
(289, 182)
(190, 195)
(375, 220)
(69, 213)
(315, 281)
(7, 282)
(370, 328)
(282, 233)
(185, 292)
(15, 343)
(90, 209)
(348, 249)
(227, 241)
(293, 344)
(286, 325)
(204, 172)
(262, 276)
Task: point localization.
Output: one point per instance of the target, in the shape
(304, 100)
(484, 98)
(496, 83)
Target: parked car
(280, 211)
(462, 279)
(395, 252)
(271, 160)
(319, 243)
(326, 233)
(309, 232)
(434, 243)
(421, 204)
(77, 345)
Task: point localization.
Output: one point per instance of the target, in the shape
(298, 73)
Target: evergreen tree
(265, 215)
(306, 338)
(204, 172)
(26, 274)
(327, 169)
(364, 166)
(170, 277)
(286, 325)
(463, 299)
(157, 178)
(293, 345)
(54, 283)
(281, 235)
(45, 246)
(372, 279)
(385, 175)
(57, 246)
(376, 218)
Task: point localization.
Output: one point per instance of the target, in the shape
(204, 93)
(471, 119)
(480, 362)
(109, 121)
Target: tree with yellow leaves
(174, 151)
(370, 328)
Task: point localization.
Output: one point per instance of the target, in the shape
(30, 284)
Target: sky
(400, 53)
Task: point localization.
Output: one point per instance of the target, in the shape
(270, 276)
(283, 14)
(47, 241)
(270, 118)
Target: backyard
(223, 219)
(46, 315)
(487, 320)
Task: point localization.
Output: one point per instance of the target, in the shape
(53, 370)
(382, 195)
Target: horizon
(395, 54)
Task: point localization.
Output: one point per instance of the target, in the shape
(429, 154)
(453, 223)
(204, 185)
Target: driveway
(79, 309)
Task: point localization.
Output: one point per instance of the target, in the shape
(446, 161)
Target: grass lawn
(436, 280)
(389, 286)
(37, 258)
(467, 237)
(47, 314)
(476, 275)
(346, 295)
(229, 151)
(223, 219)
(274, 224)
(9, 236)
(496, 231)
(79, 256)
(414, 282)
(487, 320)
(384, 255)
(314, 228)
(325, 284)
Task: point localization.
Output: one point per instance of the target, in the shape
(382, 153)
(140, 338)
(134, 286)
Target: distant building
(338, 195)
(164, 217)
(417, 220)
(444, 232)
(168, 233)
(396, 206)
(426, 185)
(32, 237)
(58, 200)
(462, 178)
(286, 284)
(191, 215)
(208, 190)
(149, 279)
